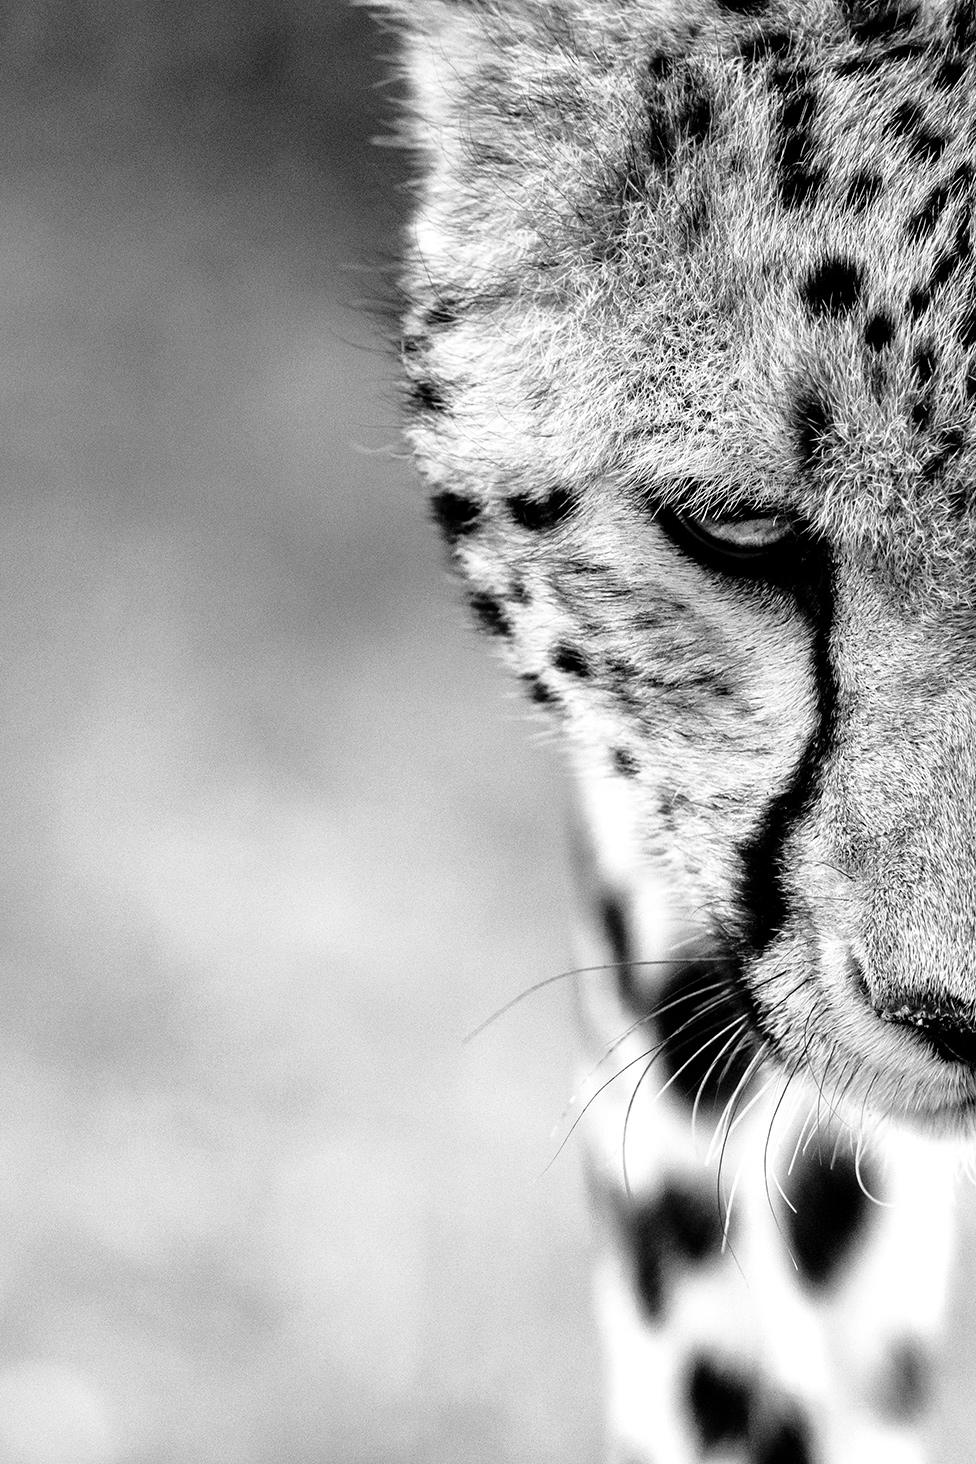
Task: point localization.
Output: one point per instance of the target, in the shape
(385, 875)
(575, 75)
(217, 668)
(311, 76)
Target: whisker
(736, 1038)
(650, 1017)
(592, 1099)
(765, 1159)
(673, 1078)
(575, 971)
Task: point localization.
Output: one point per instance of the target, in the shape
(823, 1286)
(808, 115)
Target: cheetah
(690, 352)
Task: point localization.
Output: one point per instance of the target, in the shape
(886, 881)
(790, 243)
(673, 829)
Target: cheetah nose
(948, 1025)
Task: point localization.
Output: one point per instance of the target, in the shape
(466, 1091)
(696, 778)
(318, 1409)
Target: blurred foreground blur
(274, 838)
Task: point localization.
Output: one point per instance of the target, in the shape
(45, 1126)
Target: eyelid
(712, 541)
(753, 532)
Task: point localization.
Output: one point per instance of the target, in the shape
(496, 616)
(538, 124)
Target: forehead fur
(721, 252)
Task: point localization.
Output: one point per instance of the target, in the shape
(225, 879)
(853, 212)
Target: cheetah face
(690, 345)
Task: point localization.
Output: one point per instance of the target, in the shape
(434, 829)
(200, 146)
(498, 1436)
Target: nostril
(949, 1027)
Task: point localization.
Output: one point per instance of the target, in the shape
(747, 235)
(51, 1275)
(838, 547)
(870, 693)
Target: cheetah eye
(749, 544)
(739, 536)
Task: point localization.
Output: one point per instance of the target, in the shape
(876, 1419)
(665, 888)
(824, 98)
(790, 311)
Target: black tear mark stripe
(681, 1227)
(831, 1212)
(763, 894)
(720, 1400)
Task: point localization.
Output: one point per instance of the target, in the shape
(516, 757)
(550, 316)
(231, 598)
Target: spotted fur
(677, 272)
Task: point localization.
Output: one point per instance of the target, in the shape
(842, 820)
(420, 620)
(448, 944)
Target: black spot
(412, 345)
(787, 1441)
(925, 218)
(624, 763)
(489, 613)
(810, 425)
(440, 314)
(928, 144)
(945, 265)
(694, 220)
(719, 1400)
(872, 20)
(833, 287)
(909, 1388)
(705, 1028)
(970, 383)
(950, 445)
(924, 362)
(961, 28)
(426, 396)
(743, 7)
(919, 300)
(908, 121)
(616, 930)
(831, 1209)
(539, 691)
(695, 111)
(872, 61)
(653, 150)
(539, 514)
(799, 174)
(648, 1266)
(660, 65)
(922, 413)
(571, 660)
(690, 1221)
(966, 328)
(879, 330)
(907, 118)
(952, 441)
(680, 1226)
(455, 514)
(761, 47)
(862, 190)
(949, 72)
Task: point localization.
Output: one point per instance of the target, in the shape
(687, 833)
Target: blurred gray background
(274, 835)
